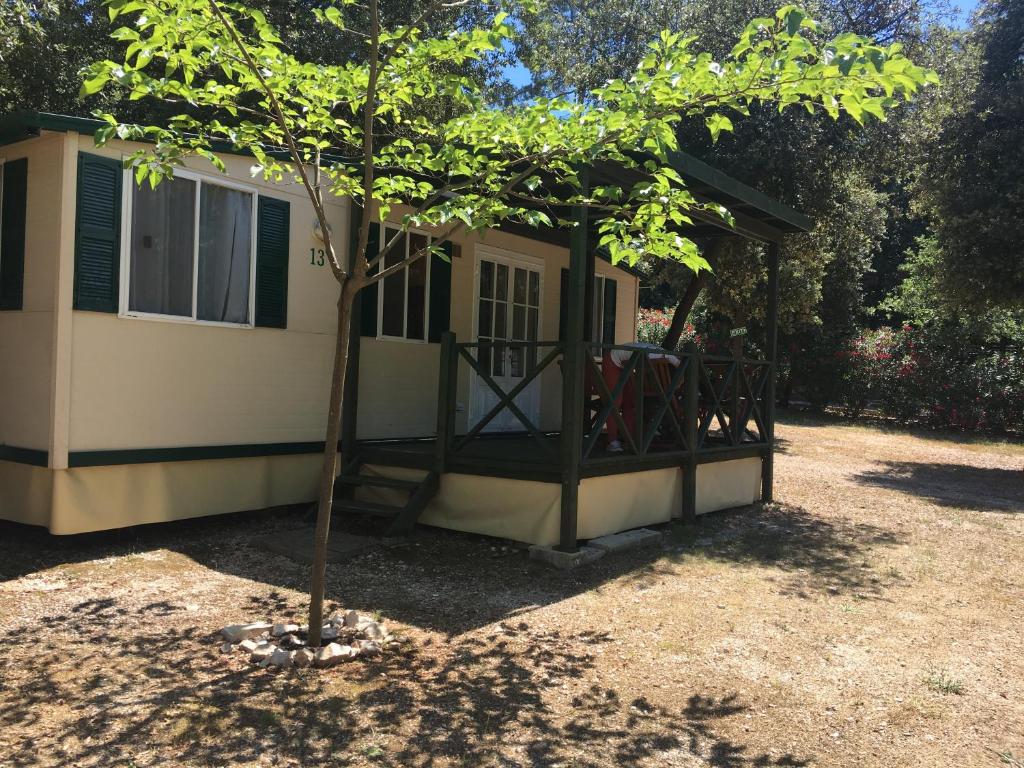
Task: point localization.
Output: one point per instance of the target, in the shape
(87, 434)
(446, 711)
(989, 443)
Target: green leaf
(717, 123)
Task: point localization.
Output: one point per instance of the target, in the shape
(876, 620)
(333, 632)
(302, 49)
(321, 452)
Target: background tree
(810, 162)
(972, 188)
(347, 131)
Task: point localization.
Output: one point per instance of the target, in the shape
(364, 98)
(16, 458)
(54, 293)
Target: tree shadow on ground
(812, 556)
(453, 583)
(109, 686)
(28, 549)
(990, 489)
(112, 685)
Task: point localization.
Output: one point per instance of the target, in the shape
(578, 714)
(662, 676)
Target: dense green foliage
(482, 164)
(918, 217)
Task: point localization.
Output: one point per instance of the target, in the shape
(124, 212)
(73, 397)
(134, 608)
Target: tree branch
(293, 149)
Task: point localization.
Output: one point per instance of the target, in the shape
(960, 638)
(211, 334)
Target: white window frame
(127, 199)
(383, 227)
(512, 259)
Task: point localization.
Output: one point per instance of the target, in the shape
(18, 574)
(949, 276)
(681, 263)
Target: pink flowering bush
(653, 324)
(935, 376)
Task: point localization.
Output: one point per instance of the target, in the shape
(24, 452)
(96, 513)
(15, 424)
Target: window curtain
(225, 248)
(162, 245)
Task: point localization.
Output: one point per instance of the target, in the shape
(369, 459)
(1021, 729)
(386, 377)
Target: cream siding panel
(25, 365)
(147, 384)
(397, 389)
(42, 222)
(728, 484)
(140, 383)
(26, 336)
(100, 498)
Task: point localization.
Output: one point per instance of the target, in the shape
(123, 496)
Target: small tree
(351, 130)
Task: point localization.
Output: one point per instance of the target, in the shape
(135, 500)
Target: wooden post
(771, 352)
(572, 376)
(737, 391)
(590, 333)
(690, 414)
(446, 394)
(350, 398)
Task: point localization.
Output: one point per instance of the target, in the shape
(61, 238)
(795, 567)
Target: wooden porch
(675, 411)
(670, 411)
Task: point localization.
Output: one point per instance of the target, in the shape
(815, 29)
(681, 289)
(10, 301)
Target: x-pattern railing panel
(669, 405)
(732, 392)
(639, 369)
(729, 392)
(507, 399)
(610, 401)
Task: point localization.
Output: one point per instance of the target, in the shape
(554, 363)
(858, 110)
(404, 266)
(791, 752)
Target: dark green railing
(677, 407)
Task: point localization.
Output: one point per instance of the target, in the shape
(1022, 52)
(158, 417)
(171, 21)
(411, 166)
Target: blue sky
(519, 75)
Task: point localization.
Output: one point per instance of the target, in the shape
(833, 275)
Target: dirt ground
(874, 617)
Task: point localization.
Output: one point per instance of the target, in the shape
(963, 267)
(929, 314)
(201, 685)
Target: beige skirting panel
(728, 484)
(528, 511)
(25, 493)
(87, 499)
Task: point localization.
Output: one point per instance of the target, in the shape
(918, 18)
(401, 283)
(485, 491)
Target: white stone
(283, 629)
(262, 652)
(329, 632)
(367, 647)
(330, 655)
(226, 648)
(352, 618)
(303, 657)
(236, 633)
(374, 631)
(337, 618)
(281, 658)
(248, 645)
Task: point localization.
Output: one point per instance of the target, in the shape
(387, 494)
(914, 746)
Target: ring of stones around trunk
(283, 645)
(333, 653)
(262, 651)
(236, 633)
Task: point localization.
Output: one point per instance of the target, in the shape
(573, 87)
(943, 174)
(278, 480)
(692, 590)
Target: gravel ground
(871, 618)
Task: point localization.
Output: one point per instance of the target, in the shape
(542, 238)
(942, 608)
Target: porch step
(399, 518)
(378, 482)
(366, 508)
(416, 456)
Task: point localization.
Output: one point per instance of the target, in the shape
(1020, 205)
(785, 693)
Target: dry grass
(829, 629)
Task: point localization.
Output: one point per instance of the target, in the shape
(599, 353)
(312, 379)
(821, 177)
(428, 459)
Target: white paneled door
(508, 300)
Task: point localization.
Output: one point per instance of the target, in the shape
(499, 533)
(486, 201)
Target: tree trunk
(682, 311)
(329, 470)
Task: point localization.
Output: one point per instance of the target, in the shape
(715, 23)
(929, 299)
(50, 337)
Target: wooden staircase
(397, 519)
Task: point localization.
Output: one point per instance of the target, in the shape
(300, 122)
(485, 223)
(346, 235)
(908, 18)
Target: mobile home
(166, 354)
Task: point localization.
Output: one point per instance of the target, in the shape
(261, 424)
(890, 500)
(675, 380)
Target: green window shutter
(608, 321)
(272, 233)
(368, 305)
(440, 292)
(563, 304)
(98, 234)
(12, 233)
